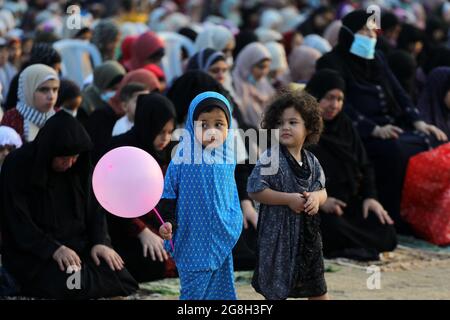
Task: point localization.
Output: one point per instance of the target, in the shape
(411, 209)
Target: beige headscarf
(332, 32)
(253, 97)
(302, 63)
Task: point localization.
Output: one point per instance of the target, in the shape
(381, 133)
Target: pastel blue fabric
(209, 285)
(364, 47)
(208, 211)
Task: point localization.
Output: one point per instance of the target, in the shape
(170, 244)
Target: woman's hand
(297, 202)
(387, 132)
(376, 207)
(166, 231)
(153, 244)
(111, 257)
(250, 214)
(429, 129)
(66, 257)
(333, 206)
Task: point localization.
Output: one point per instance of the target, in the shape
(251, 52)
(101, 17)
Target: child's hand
(297, 203)
(166, 231)
(312, 202)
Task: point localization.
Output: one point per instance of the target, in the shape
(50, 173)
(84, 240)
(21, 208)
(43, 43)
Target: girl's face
(292, 128)
(331, 104)
(57, 67)
(261, 69)
(110, 47)
(4, 151)
(15, 51)
(416, 48)
(447, 99)
(130, 106)
(62, 164)
(45, 96)
(218, 71)
(86, 36)
(229, 48)
(365, 31)
(74, 104)
(321, 21)
(211, 128)
(162, 140)
(4, 54)
(297, 40)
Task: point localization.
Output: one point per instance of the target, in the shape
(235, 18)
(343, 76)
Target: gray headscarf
(105, 31)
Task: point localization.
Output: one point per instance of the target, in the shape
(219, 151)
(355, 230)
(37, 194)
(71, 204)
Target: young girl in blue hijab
(201, 204)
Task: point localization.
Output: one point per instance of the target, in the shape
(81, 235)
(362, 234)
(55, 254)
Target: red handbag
(426, 195)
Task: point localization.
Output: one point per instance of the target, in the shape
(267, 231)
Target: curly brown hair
(305, 104)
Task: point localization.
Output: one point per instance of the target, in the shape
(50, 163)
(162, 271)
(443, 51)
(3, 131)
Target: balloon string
(162, 222)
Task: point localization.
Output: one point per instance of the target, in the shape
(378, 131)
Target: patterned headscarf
(208, 213)
(204, 59)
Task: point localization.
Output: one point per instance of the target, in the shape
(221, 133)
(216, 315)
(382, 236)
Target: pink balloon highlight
(128, 182)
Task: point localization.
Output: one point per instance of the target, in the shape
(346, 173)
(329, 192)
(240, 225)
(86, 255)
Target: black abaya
(42, 210)
(153, 111)
(350, 178)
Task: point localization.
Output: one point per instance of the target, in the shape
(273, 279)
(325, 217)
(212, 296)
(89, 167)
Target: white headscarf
(278, 54)
(214, 37)
(302, 63)
(7, 17)
(317, 42)
(271, 19)
(291, 19)
(267, 35)
(9, 136)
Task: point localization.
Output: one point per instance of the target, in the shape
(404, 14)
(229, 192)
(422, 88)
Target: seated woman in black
(50, 225)
(354, 224)
(390, 126)
(137, 240)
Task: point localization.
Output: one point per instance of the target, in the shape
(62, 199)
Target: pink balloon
(128, 182)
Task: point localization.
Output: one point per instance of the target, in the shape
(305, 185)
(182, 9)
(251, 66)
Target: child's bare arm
(295, 201)
(322, 196)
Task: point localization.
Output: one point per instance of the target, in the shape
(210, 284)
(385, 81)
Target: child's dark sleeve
(262, 176)
(166, 208)
(319, 176)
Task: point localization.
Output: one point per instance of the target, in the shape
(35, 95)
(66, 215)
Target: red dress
(13, 119)
(426, 195)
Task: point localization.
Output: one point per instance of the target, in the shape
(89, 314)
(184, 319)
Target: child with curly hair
(289, 245)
